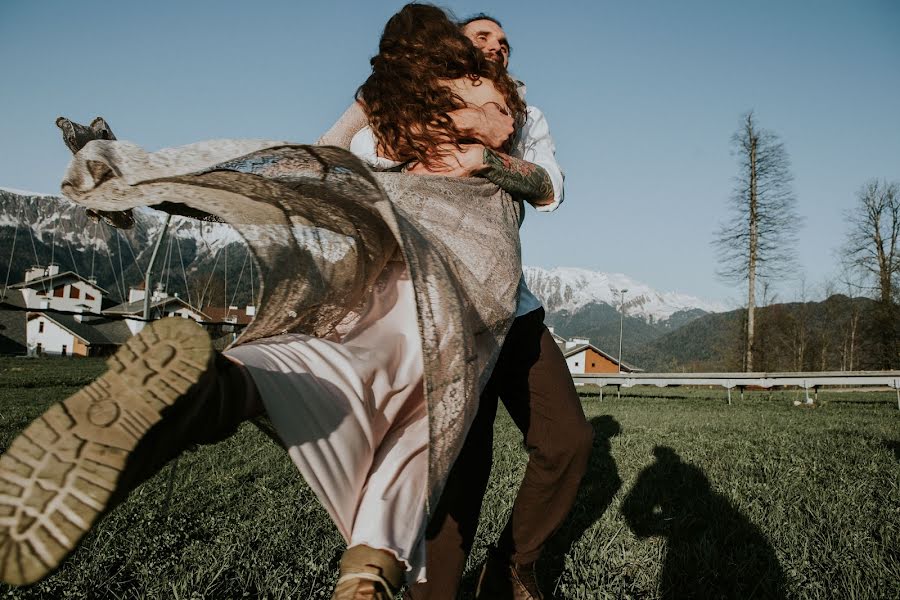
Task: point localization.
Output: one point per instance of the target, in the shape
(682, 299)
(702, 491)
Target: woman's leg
(392, 507)
(352, 414)
(317, 404)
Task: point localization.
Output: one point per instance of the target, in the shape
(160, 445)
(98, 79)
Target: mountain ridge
(55, 220)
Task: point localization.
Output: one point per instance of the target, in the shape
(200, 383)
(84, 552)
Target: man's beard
(495, 57)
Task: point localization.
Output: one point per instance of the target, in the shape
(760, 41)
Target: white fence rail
(807, 381)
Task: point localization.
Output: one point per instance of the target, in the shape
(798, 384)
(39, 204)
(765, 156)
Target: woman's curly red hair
(405, 101)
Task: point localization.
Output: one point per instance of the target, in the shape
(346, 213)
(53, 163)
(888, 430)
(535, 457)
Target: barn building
(583, 357)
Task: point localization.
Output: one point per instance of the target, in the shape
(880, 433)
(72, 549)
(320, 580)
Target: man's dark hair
(485, 17)
(480, 17)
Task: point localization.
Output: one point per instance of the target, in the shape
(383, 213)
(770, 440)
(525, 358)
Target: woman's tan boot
(368, 574)
(165, 390)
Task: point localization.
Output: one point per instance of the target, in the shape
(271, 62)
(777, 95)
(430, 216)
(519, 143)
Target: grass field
(685, 497)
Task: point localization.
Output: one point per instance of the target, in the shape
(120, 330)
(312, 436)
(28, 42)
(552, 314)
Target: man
(533, 381)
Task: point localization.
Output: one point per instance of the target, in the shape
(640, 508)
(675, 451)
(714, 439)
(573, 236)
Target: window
(74, 292)
(58, 292)
(64, 348)
(40, 327)
(593, 364)
(576, 364)
(39, 349)
(88, 296)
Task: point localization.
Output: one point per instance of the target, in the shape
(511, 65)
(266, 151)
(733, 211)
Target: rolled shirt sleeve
(535, 145)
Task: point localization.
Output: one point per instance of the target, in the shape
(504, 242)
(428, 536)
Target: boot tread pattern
(58, 475)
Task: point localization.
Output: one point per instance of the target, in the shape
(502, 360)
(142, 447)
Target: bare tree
(850, 278)
(800, 318)
(873, 247)
(756, 242)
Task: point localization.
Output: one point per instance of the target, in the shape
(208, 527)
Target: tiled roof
(50, 281)
(606, 355)
(218, 314)
(137, 307)
(97, 331)
(13, 335)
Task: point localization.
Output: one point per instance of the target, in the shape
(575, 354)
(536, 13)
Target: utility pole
(621, 323)
(147, 292)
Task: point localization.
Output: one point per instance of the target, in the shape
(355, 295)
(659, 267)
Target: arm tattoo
(520, 178)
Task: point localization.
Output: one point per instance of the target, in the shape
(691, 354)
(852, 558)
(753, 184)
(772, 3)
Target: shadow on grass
(599, 486)
(852, 402)
(894, 446)
(712, 550)
(612, 394)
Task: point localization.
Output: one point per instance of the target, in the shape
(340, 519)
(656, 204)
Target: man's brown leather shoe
(502, 579)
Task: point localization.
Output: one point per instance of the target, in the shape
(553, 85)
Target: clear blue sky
(642, 98)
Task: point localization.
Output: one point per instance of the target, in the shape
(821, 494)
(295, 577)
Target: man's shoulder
(535, 122)
(533, 111)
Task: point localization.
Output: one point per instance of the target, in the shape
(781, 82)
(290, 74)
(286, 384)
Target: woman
(425, 69)
(393, 329)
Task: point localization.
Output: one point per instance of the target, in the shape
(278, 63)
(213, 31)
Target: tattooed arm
(520, 178)
(525, 174)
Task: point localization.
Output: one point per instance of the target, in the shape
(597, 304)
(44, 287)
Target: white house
(161, 305)
(47, 288)
(73, 335)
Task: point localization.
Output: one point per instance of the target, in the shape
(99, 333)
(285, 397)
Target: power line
(183, 271)
(12, 254)
(238, 285)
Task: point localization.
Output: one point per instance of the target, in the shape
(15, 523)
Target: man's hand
(488, 124)
(450, 161)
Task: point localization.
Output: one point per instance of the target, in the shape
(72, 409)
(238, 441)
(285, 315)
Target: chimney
(159, 293)
(250, 310)
(35, 272)
(78, 316)
(135, 294)
(53, 269)
(551, 329)
(580, 340)
(45, 304)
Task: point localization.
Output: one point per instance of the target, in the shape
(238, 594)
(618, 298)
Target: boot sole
(58, 475)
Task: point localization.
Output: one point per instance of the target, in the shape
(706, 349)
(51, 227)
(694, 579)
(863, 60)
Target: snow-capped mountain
(61, 229)
(53, 218)
(39, 229)
(570, 289)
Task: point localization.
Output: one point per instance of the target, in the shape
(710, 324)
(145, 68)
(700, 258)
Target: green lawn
(685, 497)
